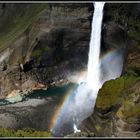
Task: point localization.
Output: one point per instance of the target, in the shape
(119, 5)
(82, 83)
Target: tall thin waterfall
(93, 73)
(80, 103)
(87, 91)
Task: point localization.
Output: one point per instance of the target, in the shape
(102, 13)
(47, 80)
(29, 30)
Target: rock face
(33, 113)
(117, 109)
(46, 42)
(42, 44)
(80, 134)
(112, 115)
(126, 16)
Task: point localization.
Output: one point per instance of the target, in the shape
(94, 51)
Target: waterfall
(80, 103)
(93, 73)
(88, 89)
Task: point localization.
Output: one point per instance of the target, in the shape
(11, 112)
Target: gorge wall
(43, 44)
(117, 108)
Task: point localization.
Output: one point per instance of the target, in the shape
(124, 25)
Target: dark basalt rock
(116, 112)
(81, 135)
(121, 121)
(48, 49)
(43, 44)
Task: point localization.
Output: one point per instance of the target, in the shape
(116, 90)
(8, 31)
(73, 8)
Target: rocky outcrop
(43, 44)
(116, 113)
(126, 16)
(36, 111)
(117, 109)
(81, 135)
(46, 43)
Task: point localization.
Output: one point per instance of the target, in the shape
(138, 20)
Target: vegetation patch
(36, 53)
(14, 27)
(112, 91)
(23, 133)
(39, 50)
(130, 109)
(98, 127)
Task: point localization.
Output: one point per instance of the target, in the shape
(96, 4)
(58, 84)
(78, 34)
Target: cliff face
(42, 44)
(117, 108)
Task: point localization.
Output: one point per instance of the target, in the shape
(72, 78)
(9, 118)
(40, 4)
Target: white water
(75, 128)
(93, 74)
(80, 104)
(88, 89)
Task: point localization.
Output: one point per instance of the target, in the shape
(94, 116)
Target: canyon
(46, 45)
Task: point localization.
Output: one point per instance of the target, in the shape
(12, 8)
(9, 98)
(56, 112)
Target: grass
(129, 110)
(36, 53)
(23, 133)
(13, 29)
(40, 50)
(98, 127)
(112, 90)
(132, 111)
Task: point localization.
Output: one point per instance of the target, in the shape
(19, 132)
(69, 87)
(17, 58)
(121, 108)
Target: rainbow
(64, 104)
(61, 108)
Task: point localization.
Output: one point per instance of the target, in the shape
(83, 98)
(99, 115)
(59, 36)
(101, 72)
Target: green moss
(129, 110)
(111, 91)
(39, 50)
(15, 27)
(36, 53)
(129, 80)
(23, 133)
(98, 127)
(130, 120)
(129, 69)
(6, 132)
(46, 48)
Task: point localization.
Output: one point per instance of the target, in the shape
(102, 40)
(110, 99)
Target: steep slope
(42, 44)
(117, 111)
